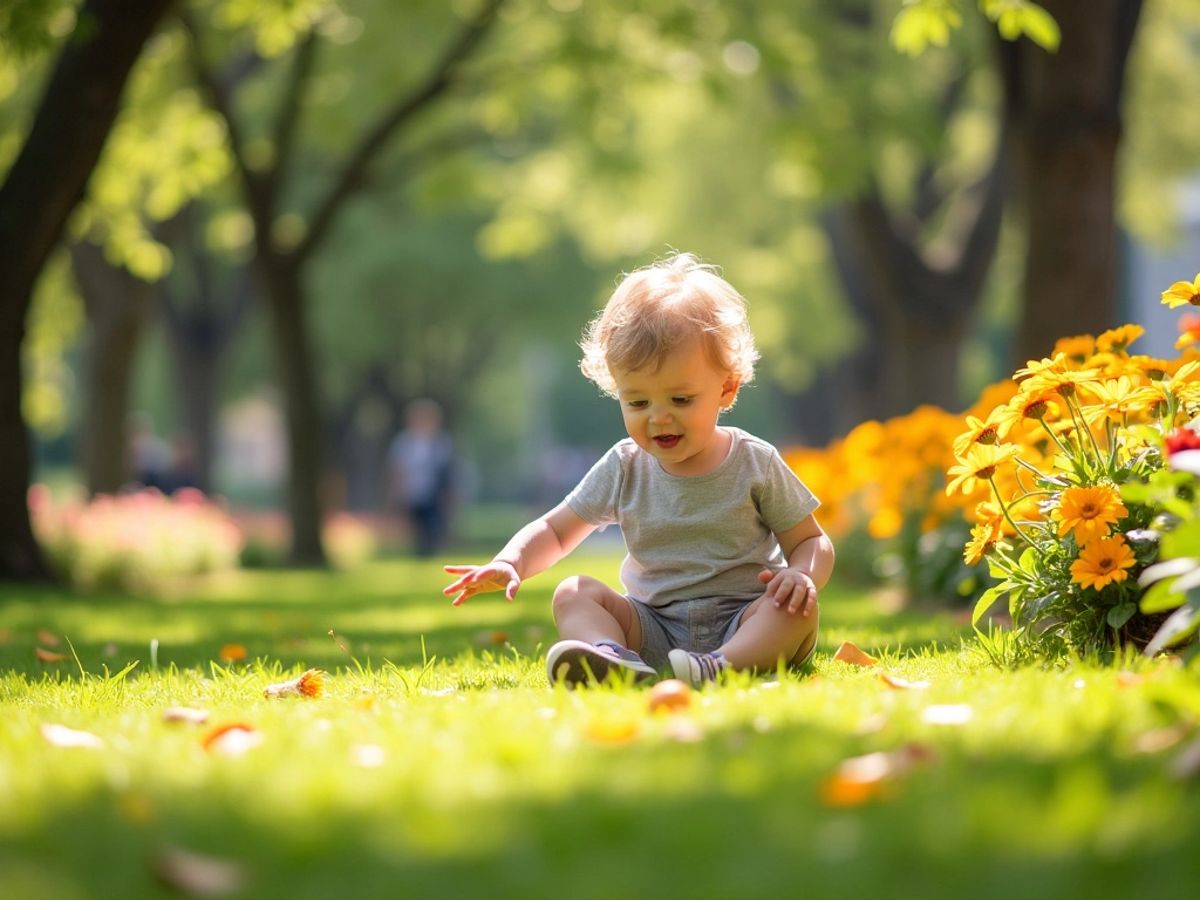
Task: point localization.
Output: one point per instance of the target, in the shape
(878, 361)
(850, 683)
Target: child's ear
(729, 391)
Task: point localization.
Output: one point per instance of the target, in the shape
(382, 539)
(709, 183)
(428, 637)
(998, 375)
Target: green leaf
(1119, 615)
(989, 597)
(1183, 541)
(1039, 26)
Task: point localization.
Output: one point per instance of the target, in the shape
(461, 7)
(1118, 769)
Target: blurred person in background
(420, 474)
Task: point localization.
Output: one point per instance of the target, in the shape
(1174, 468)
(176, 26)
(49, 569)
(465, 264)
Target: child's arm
(809, 553)
(534, 548)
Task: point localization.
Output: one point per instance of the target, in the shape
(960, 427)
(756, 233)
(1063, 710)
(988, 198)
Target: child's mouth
(667, 441)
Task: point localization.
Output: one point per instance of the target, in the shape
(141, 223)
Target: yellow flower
(1088, 511)
(979, 431)
(1102, 562)
(1026, 405)
(1053, 375)
(984, 536)
(1115, 340)
(1182, 292)
(979, 464)
(1119, 397)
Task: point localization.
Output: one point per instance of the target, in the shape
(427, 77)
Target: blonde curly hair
(660, 307)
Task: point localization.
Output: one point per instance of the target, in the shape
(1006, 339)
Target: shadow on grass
(390, 611)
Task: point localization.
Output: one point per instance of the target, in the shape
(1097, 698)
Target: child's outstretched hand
(791, 588)
(495, 576)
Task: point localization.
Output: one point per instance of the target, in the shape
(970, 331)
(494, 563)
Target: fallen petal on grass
(309, 684)
(1160, 739)
(671, 695)
(232, 653)
(1186, 764)
(48, 656)
(860, 779)
(948, 714)
(62, 736)
(49, 638)
(902, 684)
(611, 731)
(232, 739)
(848, 653)
(185, 714)
(368, 756)
(197, 875)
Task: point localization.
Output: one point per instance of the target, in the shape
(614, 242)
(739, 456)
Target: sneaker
(578, 662)
(696, 668)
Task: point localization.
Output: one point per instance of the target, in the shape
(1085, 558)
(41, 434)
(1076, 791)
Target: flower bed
(142, 542)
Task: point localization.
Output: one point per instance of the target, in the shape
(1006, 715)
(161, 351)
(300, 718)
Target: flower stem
(1004, 509)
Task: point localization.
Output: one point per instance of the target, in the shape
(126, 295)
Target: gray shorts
(700, 625)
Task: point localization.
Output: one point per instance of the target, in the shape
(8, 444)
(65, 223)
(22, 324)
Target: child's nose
(660, 415)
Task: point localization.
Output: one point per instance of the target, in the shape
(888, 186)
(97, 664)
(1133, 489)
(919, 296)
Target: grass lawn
(438, 763)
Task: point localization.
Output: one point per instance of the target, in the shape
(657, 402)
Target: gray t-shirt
(695, 536)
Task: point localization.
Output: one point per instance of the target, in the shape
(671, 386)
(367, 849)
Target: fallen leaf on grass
(232, 653)
(861, 779)
(197, 875)
(491, 639)
(185, 714)
(48, 656)
(848, 653)
(62, 736)
(902, 684)
(668, 696)
(232, 739)
(5, 635)
(310, 684)
(948, 714)
(49, 638)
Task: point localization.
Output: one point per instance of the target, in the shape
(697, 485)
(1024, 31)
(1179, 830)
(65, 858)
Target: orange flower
(1077, 349)
(1182, 293)
(1117, 398)
(1189, 331)
(1115, 340)
(1102, 562)
(1088, 512)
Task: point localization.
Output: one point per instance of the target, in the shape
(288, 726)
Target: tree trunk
(1065, 127)
(43, 186)
(294, 359)
(118, 306)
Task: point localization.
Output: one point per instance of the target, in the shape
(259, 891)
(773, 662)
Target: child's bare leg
(588, 610)
(768, 634)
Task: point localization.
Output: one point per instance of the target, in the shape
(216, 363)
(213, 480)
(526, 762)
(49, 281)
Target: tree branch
(440, 79)
(289, 113)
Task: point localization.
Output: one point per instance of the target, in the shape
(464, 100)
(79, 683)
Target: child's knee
(573, 591)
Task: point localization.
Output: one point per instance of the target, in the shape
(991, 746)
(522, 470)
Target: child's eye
(681, 401)
(636, 404)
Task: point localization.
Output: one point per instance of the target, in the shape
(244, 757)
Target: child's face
(671, 411)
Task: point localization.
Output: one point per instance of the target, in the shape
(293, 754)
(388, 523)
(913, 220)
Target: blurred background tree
(429, 199)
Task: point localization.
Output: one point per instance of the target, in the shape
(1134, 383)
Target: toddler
(725, 558)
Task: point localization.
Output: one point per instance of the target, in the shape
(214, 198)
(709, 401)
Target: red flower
(1182, 439)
